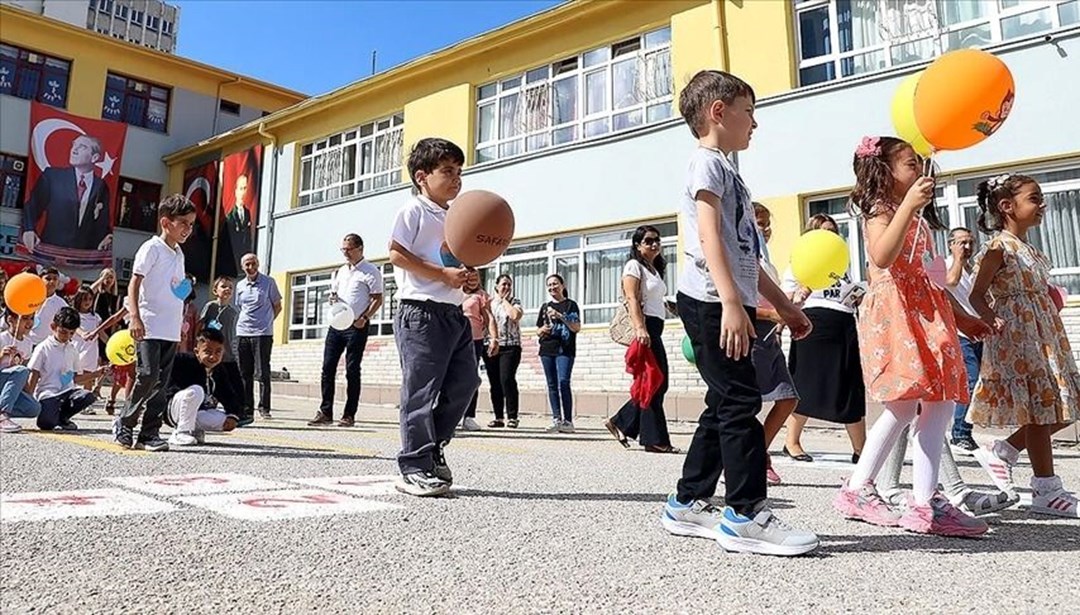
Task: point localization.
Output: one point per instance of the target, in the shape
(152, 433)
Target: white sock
(881, 439)
(1045, 484)
(929, 435)
(1005, 452)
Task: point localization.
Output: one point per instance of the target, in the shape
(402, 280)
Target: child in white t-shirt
(157, 292)
(49, 308)
(53, 377)
(123, 376)
(15, 350)
(86, 345)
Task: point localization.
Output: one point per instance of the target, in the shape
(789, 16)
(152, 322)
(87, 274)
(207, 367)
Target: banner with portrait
(71, 188)
(200, 187)
(239, 214)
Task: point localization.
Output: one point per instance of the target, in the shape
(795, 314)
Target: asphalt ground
(279, 517)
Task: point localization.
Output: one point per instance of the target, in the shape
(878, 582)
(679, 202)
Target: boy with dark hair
(434, 339)
(156, 296)
(199, 384)
(53, 377)
(52, 305)
(220, 314)
(718, 295)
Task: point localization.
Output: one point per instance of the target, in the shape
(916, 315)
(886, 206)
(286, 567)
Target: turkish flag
(71, 187)
(200, 187)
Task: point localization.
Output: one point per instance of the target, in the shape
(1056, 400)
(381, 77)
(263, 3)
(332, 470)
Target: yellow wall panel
(760, 41)
(281, 324)
(696, 44)
(787, 225)
(448, 114)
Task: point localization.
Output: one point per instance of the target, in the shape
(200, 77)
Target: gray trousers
(889, 479)
(438, 377)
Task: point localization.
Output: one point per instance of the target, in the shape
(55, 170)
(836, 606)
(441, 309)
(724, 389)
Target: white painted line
(195, 484)
(359, 486)
(822, 461)
(51, 505)
(288, 504)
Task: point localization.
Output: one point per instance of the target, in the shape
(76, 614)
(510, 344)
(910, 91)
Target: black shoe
(800, 457)
(422, 484)
(245, 420)
(442, 470)
(496, 424)
(320, 419)
(512, 423)
(153, 444)
(124, 436)
(69, 426)
(964, 446)
(855, 458)
(264, 414)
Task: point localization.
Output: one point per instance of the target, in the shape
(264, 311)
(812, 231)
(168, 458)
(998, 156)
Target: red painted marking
(187, 480)
(317, 498)
(62, 500)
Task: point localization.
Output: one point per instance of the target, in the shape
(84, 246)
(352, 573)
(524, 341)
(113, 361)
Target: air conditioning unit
(123, 269)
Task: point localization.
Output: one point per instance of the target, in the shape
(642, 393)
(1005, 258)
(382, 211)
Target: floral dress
(1028, 372)
(910, 348)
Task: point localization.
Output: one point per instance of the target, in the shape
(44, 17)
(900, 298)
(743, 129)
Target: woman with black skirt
(825, 365)
(644, 289)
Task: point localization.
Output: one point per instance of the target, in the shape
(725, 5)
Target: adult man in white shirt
(959, 279)
(357, 283)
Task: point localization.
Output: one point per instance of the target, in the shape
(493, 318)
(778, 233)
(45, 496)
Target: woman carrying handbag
(644, 289)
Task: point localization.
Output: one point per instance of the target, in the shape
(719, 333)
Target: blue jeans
(973, 361)
(14, 400)
(557, 371)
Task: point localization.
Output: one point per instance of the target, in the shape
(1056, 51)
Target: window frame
(13, 179)
(937, 35)
(391, 128)
(50, 67)
(543, 137)
(130, 91)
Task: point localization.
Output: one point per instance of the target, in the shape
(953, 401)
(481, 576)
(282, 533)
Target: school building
(167, 102)
(570, 114)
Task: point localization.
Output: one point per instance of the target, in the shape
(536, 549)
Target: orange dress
(907, 333)
(1028, 372)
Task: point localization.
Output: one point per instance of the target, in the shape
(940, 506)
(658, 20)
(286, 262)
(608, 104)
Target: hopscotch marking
(287, 504)
(54, 505)
(359, 486)
(195, 484)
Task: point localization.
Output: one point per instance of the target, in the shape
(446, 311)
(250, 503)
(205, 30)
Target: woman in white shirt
(825, 365)
(644, 288)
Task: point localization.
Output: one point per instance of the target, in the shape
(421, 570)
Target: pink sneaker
(770, 474)
(865, 504)
(941, 518)
(7, 425)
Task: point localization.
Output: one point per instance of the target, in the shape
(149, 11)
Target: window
(136, 17)
(605, 90)
(122, 11)
(12, 180)
(137, 103)
(138, 205)
(166, 27)
(1058, 236)
(34, 76)
(844, 38)
(152, 22)
(359, 160)
(383, 322)
(309, 295)
(105, 6)
(228, 106)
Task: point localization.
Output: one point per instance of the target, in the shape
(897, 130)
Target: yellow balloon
(903, 115)
(819, 259)
(120, 349)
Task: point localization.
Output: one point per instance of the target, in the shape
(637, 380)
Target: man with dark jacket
(203, 395)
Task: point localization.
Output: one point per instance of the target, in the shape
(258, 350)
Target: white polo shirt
(55, 364)
(45, 315)
(354, 285)
(419, 227)
(162, 269)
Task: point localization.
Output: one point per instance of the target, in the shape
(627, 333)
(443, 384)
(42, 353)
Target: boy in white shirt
(433, 336)
(15, 351)
(157, 291)
(53, 377)
(52, 305)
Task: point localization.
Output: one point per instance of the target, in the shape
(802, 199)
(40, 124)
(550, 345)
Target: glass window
(616, 87)
(34, 76)
(1027, 24)
(12, 180)
(136, 103)
(354, 161)
(138, 205)
(308, 297)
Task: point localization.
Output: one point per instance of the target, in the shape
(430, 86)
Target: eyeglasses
(350, 249)
(651, 241)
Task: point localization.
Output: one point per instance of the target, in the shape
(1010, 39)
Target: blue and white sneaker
(698, 518)
(763, 533)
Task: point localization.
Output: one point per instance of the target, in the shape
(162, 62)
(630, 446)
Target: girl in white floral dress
(1029, 377)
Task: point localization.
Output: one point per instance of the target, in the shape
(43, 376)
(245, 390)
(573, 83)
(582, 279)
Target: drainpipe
(720, 27)
(217, 101)
(273, 195)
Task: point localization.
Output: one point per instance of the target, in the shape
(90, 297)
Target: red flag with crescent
(200, 187)
(71, 188)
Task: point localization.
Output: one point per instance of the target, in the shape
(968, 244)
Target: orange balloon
(24, 293)
(963, 98)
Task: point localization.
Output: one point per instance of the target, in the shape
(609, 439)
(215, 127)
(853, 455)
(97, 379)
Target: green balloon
(688, 349)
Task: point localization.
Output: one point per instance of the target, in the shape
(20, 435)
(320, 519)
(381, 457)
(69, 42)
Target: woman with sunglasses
(644, 288)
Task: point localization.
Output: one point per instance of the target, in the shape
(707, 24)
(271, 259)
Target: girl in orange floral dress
(908, 336)
(1029, 377)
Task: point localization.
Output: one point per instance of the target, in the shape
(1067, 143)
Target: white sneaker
(566, 427)
(999, 470)
(1052, 499)
(470, 424)
(7, 425)
(182, 438)
(556, 426)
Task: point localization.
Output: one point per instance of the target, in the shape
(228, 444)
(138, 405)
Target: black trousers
(254, 355)
(502, 376)
(729, 437)
(153, 368)
(648, 425)
(352, 342)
